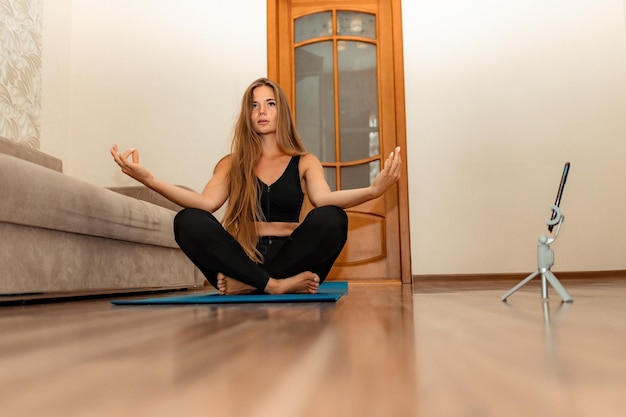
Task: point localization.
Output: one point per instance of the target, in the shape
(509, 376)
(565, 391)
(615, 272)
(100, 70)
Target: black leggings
(313, 246)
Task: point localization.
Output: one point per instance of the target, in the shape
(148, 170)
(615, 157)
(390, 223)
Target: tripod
(545, 260)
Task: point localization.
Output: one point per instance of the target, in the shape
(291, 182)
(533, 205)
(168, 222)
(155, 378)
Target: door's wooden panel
(366, 239)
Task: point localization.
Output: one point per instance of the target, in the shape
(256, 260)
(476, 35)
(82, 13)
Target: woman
(261, 244)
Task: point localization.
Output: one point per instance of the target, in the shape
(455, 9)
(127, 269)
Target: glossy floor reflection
(89, 358)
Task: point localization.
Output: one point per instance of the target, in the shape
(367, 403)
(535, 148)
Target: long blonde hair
(243, 202)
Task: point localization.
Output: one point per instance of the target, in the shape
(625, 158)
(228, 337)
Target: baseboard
(561, 275)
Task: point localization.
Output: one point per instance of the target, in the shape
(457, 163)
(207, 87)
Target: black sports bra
(282, 200)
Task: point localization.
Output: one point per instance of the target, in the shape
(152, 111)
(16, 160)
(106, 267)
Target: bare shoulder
(216, 187)
(309, 160)
(310, 167)
(223, 165)
(314, 182)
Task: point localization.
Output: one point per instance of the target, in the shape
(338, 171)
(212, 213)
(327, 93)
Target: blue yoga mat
(328, 291)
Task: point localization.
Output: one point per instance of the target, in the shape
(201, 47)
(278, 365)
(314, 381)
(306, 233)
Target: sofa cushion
(36, 196)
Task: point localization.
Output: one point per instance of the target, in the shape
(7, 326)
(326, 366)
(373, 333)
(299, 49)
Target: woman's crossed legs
(298, 263)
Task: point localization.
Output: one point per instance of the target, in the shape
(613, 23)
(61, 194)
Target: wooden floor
(432, 350)
(477, 356)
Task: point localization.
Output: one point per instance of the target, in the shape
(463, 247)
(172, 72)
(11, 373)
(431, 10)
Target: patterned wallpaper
(20, 70)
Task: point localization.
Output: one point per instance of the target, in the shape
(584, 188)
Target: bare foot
(305, 282)
(230, 286)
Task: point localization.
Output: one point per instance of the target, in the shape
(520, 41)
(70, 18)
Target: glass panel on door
(358, 101)
(313, 26)
(356, 24)
(315, 101)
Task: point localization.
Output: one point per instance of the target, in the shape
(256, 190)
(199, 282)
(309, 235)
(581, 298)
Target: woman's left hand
(389, 175)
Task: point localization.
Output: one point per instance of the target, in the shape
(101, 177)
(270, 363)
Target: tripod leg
(520, 285)
(556, 284)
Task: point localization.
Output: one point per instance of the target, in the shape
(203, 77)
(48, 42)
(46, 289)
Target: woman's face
(264, 111)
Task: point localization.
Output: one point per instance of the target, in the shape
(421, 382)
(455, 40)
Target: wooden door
(340, 63)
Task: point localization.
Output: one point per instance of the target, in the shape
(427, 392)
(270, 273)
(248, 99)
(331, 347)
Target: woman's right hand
(131, 167)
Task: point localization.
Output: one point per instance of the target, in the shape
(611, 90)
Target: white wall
(164, 77)
(499, 95)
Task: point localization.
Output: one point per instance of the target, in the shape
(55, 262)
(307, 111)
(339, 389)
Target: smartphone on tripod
(559, 194)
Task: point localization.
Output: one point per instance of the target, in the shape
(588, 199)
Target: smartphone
(559, 194)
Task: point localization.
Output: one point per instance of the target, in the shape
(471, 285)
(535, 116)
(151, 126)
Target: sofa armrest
(11, 148)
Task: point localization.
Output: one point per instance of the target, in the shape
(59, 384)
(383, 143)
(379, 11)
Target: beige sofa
(61, 235)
